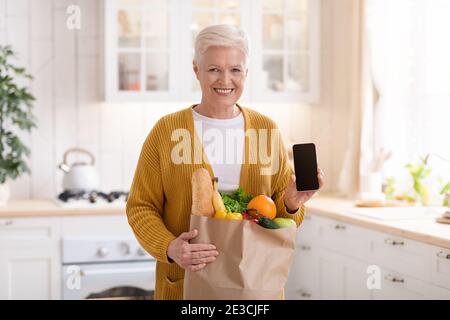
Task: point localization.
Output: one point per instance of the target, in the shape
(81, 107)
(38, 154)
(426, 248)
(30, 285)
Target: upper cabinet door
(209, 12)
(150, 47)
(286, 51)
(138, 45)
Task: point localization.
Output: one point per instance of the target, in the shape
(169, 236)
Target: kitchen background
(68, 70)
(367, 81)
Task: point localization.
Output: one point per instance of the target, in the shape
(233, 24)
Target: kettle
(79, 176)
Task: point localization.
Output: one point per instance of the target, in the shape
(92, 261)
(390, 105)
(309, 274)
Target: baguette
(202, 193)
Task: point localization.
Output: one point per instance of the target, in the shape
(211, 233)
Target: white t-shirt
(223, 141)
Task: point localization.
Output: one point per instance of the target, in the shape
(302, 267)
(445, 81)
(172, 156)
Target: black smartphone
(305, 166)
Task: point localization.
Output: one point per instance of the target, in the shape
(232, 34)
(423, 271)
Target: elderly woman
(160, 200)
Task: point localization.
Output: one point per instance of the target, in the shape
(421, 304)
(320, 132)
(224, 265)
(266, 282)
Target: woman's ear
(195, 68)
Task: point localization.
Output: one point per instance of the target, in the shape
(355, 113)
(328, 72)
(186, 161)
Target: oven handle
(89, 272)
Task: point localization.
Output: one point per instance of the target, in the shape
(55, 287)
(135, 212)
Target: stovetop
(90, 199)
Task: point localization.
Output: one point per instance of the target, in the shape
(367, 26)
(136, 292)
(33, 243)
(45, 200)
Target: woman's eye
(214, 70)
(236, 70)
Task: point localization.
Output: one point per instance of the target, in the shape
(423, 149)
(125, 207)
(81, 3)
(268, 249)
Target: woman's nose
(225, 77)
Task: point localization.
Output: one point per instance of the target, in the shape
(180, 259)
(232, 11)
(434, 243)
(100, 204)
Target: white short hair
(225, 35)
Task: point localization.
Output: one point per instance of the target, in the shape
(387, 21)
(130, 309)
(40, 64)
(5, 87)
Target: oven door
(126, 280)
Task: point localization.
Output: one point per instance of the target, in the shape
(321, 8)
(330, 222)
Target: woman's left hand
(293, 198)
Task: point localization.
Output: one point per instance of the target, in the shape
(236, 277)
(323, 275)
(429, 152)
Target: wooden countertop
(425, 230)
(47, 208)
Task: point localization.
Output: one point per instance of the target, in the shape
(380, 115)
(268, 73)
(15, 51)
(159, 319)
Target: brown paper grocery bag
(253, 262)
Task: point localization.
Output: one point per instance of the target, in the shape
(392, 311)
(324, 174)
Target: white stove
(74, 204)
(104, 265)
(105, 268)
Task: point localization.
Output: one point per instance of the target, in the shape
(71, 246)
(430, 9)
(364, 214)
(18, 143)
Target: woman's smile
(224, 92)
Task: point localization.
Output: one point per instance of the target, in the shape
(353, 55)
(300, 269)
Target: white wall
(68, 75)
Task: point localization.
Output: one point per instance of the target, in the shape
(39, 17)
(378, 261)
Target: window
(410, 68)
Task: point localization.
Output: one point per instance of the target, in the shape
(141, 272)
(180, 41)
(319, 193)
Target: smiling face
(221, 72)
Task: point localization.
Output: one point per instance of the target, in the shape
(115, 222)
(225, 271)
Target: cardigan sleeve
(281, 181)
(146, 201)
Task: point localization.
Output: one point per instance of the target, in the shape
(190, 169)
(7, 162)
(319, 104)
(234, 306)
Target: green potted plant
(419, 173)
(16, 103)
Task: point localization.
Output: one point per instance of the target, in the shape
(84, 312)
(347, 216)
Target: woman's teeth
(223, 91)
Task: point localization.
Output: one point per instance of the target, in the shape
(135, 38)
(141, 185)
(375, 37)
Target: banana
(217, 198)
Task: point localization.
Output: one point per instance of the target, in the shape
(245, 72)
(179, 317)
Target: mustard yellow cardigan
(160, 199)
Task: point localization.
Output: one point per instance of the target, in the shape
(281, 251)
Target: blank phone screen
(305, 165)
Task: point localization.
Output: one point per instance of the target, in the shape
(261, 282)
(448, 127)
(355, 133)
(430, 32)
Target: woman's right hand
(192, 257)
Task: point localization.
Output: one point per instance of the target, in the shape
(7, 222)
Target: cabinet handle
(391, 278)
(304, 294)
(340, 227)
(442, 255)
(393, 242)
(6, 223)
(305, 248)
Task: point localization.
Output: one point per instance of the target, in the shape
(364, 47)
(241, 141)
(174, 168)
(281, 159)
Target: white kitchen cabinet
(341, 277)
(440, 270)
(30, 258)
(332, 259)
(407, 256)
(149, 47)
(396, 285)
(304, 276)
(345, 238)
(323, 269)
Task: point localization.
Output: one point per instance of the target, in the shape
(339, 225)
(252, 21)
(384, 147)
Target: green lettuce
(236, 201)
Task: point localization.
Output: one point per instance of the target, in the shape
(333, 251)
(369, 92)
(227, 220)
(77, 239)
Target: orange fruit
(264, 205)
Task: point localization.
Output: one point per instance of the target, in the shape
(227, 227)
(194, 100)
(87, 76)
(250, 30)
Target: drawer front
(345, 238)
(402, 255)
(304, 276)
(96, 226)
(440, 270)
(396, 286)
(309, 228)
(29, 229)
